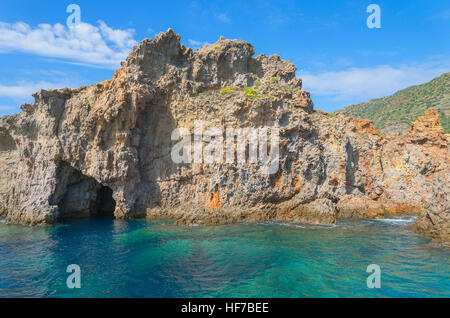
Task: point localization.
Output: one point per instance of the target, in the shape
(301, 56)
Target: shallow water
(142, 259)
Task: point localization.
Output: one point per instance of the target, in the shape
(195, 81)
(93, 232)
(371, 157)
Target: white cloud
(122, 38)
(197, 44)
(85, 43)
(5, 108)
(24, 89)
(373, 82)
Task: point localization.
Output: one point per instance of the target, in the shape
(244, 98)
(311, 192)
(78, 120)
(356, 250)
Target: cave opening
(81, 196)
(106, 202)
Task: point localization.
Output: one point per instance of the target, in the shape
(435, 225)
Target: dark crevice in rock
(7, 143)
(107, 204)
(79, 196)
(352, 168)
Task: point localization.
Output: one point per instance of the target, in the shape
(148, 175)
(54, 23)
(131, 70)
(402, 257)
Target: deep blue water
(143, 259)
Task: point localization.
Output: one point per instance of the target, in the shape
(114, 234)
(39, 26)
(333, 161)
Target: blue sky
(340, 59)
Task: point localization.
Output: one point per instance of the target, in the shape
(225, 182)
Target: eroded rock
(62, 150)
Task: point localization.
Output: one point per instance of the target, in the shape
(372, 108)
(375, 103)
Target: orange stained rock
(278, 181)
(214, 200)
(334, 182)
(429, 123)
(399, 165)
(297, 183)
(365, 126)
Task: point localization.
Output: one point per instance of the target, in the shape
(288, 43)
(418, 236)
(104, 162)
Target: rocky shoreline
(107, 148)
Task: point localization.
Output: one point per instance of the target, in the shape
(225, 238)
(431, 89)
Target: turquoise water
(142, 259)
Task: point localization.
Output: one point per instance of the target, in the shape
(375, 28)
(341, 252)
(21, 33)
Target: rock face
(427, 126)
(107, 148)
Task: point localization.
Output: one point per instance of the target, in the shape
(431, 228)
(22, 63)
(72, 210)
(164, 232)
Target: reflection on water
(141, 259)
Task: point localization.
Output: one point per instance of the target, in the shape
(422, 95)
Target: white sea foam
(408, 220)
(312, 226)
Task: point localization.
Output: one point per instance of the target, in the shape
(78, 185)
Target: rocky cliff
(107, 148)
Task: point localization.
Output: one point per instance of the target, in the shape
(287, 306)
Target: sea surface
(146, 259)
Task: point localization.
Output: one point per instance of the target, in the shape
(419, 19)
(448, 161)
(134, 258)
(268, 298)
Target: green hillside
(407, 105)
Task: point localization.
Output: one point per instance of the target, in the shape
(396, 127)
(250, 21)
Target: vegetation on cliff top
(407, 105)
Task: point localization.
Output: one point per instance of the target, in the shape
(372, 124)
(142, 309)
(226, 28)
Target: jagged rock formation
(106, 148)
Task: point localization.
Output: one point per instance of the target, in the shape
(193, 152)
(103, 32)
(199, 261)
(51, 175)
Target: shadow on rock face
(107, 204)
(81, 196)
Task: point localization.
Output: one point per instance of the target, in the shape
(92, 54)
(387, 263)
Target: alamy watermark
(241, 145)
(75, 18)
(374, 20)
(374, 279)
(74, 279)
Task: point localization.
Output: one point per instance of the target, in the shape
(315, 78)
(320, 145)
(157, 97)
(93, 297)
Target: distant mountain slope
(392, 114)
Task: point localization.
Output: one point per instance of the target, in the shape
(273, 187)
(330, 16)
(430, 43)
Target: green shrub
(86, 101)
(250, 91)
(226, 91)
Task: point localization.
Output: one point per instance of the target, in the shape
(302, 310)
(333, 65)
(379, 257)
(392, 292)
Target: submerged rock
(107, 147)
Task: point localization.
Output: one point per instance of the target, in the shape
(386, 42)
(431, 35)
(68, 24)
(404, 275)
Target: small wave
(323, 226)
(408, 220)
(306, 226)
(2, 221)
(289, 224)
